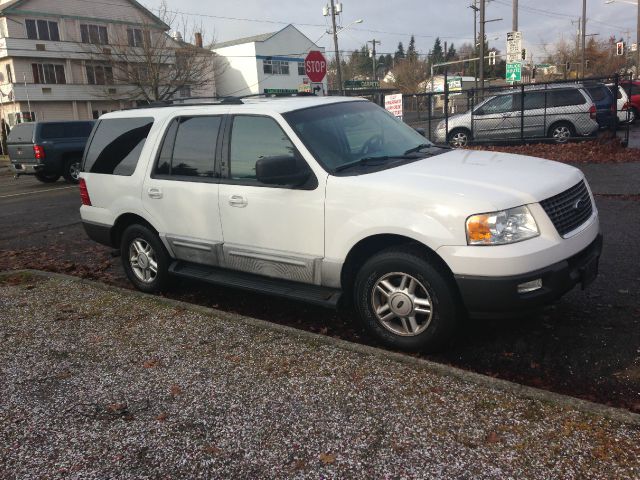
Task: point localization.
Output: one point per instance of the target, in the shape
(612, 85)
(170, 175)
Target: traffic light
(620, 48)
(524, 54)
(492, 58)
(567, 66)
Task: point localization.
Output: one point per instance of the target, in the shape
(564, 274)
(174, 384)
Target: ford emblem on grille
(578, 204)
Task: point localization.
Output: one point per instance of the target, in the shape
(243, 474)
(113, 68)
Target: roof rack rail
(216, 100)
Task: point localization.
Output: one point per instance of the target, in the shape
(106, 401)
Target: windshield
(344, 133)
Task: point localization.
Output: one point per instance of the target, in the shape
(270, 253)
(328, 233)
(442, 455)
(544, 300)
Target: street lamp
(342, 29)
(631, 2)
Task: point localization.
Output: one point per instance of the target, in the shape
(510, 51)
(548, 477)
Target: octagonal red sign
(315, 65)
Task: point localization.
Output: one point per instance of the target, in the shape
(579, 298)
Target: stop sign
(315, 65)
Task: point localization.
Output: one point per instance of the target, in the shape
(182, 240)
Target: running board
(322, 296)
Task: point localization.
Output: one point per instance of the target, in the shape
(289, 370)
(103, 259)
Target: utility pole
(474, 7)
(373, 55)
(583, 34)
(638, 45)
(482, 52)
(335, 45)
(514, 24)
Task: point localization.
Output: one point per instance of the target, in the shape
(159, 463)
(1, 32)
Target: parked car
(48, 150)
(318, 199)
(623, 108)
(605, 102)
(556, 112)
(632, 87)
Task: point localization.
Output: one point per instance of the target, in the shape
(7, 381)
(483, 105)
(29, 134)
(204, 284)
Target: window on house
(42, 30)
(48, 73)
(137, 37)
(9, 74)
(99, 75)
(21, 117)
(96, 34)
(184, 92)
(301, 70)
(275, 67)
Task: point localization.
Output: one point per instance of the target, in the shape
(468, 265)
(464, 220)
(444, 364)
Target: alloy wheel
(458, 139)
(143, 261)
(561, 134)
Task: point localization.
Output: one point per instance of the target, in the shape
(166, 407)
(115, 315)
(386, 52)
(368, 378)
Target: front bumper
(491, 296)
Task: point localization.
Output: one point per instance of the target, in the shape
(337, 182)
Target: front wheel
(72, 170)
(406, 301)
(144, 258)
(459, 138)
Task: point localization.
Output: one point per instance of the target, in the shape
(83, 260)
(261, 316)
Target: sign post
(514, 57)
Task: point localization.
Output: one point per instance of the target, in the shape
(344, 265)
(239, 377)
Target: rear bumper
(24, 168)
(98, 232)
(491, 296)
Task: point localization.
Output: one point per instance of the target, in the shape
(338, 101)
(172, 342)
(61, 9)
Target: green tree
(451, 53)
(437, 54)
(412, 54)
(399, 55)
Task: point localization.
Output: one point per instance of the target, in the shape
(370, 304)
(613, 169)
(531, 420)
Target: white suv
(316, 199)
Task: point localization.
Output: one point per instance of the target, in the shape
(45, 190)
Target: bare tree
(409, 74)
(152, 64)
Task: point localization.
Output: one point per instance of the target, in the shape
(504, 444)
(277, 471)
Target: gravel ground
(101, 383)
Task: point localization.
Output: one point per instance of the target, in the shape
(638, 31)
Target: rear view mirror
(282, 170)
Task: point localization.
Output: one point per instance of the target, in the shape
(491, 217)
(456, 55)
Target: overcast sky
(541, 21)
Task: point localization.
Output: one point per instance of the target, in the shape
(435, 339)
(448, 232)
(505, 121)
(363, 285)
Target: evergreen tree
(437, 54)
(412, 55)
(451, 53)
(399, 55)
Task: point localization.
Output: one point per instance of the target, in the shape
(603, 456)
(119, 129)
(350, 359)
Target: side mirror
(421, 131)
(282, 170)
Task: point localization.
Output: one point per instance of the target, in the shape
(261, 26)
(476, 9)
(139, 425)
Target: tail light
(592, 112)
(84, 193)
(38, 152)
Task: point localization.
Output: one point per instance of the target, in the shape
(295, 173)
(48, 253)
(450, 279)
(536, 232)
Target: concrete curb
(565, 401)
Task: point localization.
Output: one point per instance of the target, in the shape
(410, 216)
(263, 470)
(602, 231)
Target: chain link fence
(559, 112)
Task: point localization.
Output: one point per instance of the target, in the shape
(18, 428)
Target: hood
(486, 181)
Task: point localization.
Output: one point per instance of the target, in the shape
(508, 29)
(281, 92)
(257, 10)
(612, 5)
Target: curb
(612, 413)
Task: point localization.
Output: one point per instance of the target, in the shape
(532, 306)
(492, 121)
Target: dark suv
(48, 150)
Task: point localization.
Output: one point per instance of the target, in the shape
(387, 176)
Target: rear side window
(116, 145)
(21, 133)
(189, 147)
(565, 98)
(65, 130)
(598, 93)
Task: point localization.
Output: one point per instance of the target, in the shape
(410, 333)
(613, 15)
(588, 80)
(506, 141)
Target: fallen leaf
(327, 458)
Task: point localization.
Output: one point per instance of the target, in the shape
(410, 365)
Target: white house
(272, 62)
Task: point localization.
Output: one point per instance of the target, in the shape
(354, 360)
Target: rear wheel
(47, 177)
(72, 170)
(144, 258)
(406, 301)
(562, 132)
(633, 115)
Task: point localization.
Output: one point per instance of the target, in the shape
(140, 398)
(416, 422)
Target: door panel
(183, 191)
(269, 230)
(496, 119)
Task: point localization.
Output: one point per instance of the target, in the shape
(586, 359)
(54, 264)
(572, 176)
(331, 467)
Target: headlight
(499, 228)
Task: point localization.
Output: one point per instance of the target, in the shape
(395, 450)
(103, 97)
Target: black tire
(633, 114)
(441, 292)
(142, 233)
(558, 132)
(72, 170)
(454, 139)
(47, 177)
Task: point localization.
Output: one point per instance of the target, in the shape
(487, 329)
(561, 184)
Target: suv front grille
(569, 209)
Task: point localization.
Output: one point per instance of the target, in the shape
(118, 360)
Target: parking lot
(586, 345)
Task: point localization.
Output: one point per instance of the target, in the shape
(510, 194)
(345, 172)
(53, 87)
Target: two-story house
(50, 52)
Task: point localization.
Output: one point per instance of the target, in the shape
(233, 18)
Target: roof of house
(8, 7)
(255, 38)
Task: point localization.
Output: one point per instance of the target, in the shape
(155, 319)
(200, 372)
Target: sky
(392, 21)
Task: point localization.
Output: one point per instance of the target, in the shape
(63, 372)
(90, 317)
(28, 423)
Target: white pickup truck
(318, 199)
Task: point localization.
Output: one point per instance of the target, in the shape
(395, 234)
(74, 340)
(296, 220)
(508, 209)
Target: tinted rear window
(565, 98)
(598, 93)
(65, 130)
(21, 133)
(116, 145)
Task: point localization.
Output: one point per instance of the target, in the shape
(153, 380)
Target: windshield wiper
(422, 146)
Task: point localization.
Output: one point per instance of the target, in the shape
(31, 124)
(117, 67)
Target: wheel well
(122, 223)
(560, 122)
(366, 248)
(71, 155)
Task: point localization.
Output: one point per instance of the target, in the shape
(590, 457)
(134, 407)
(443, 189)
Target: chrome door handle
(154, 193)
(237, 201)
